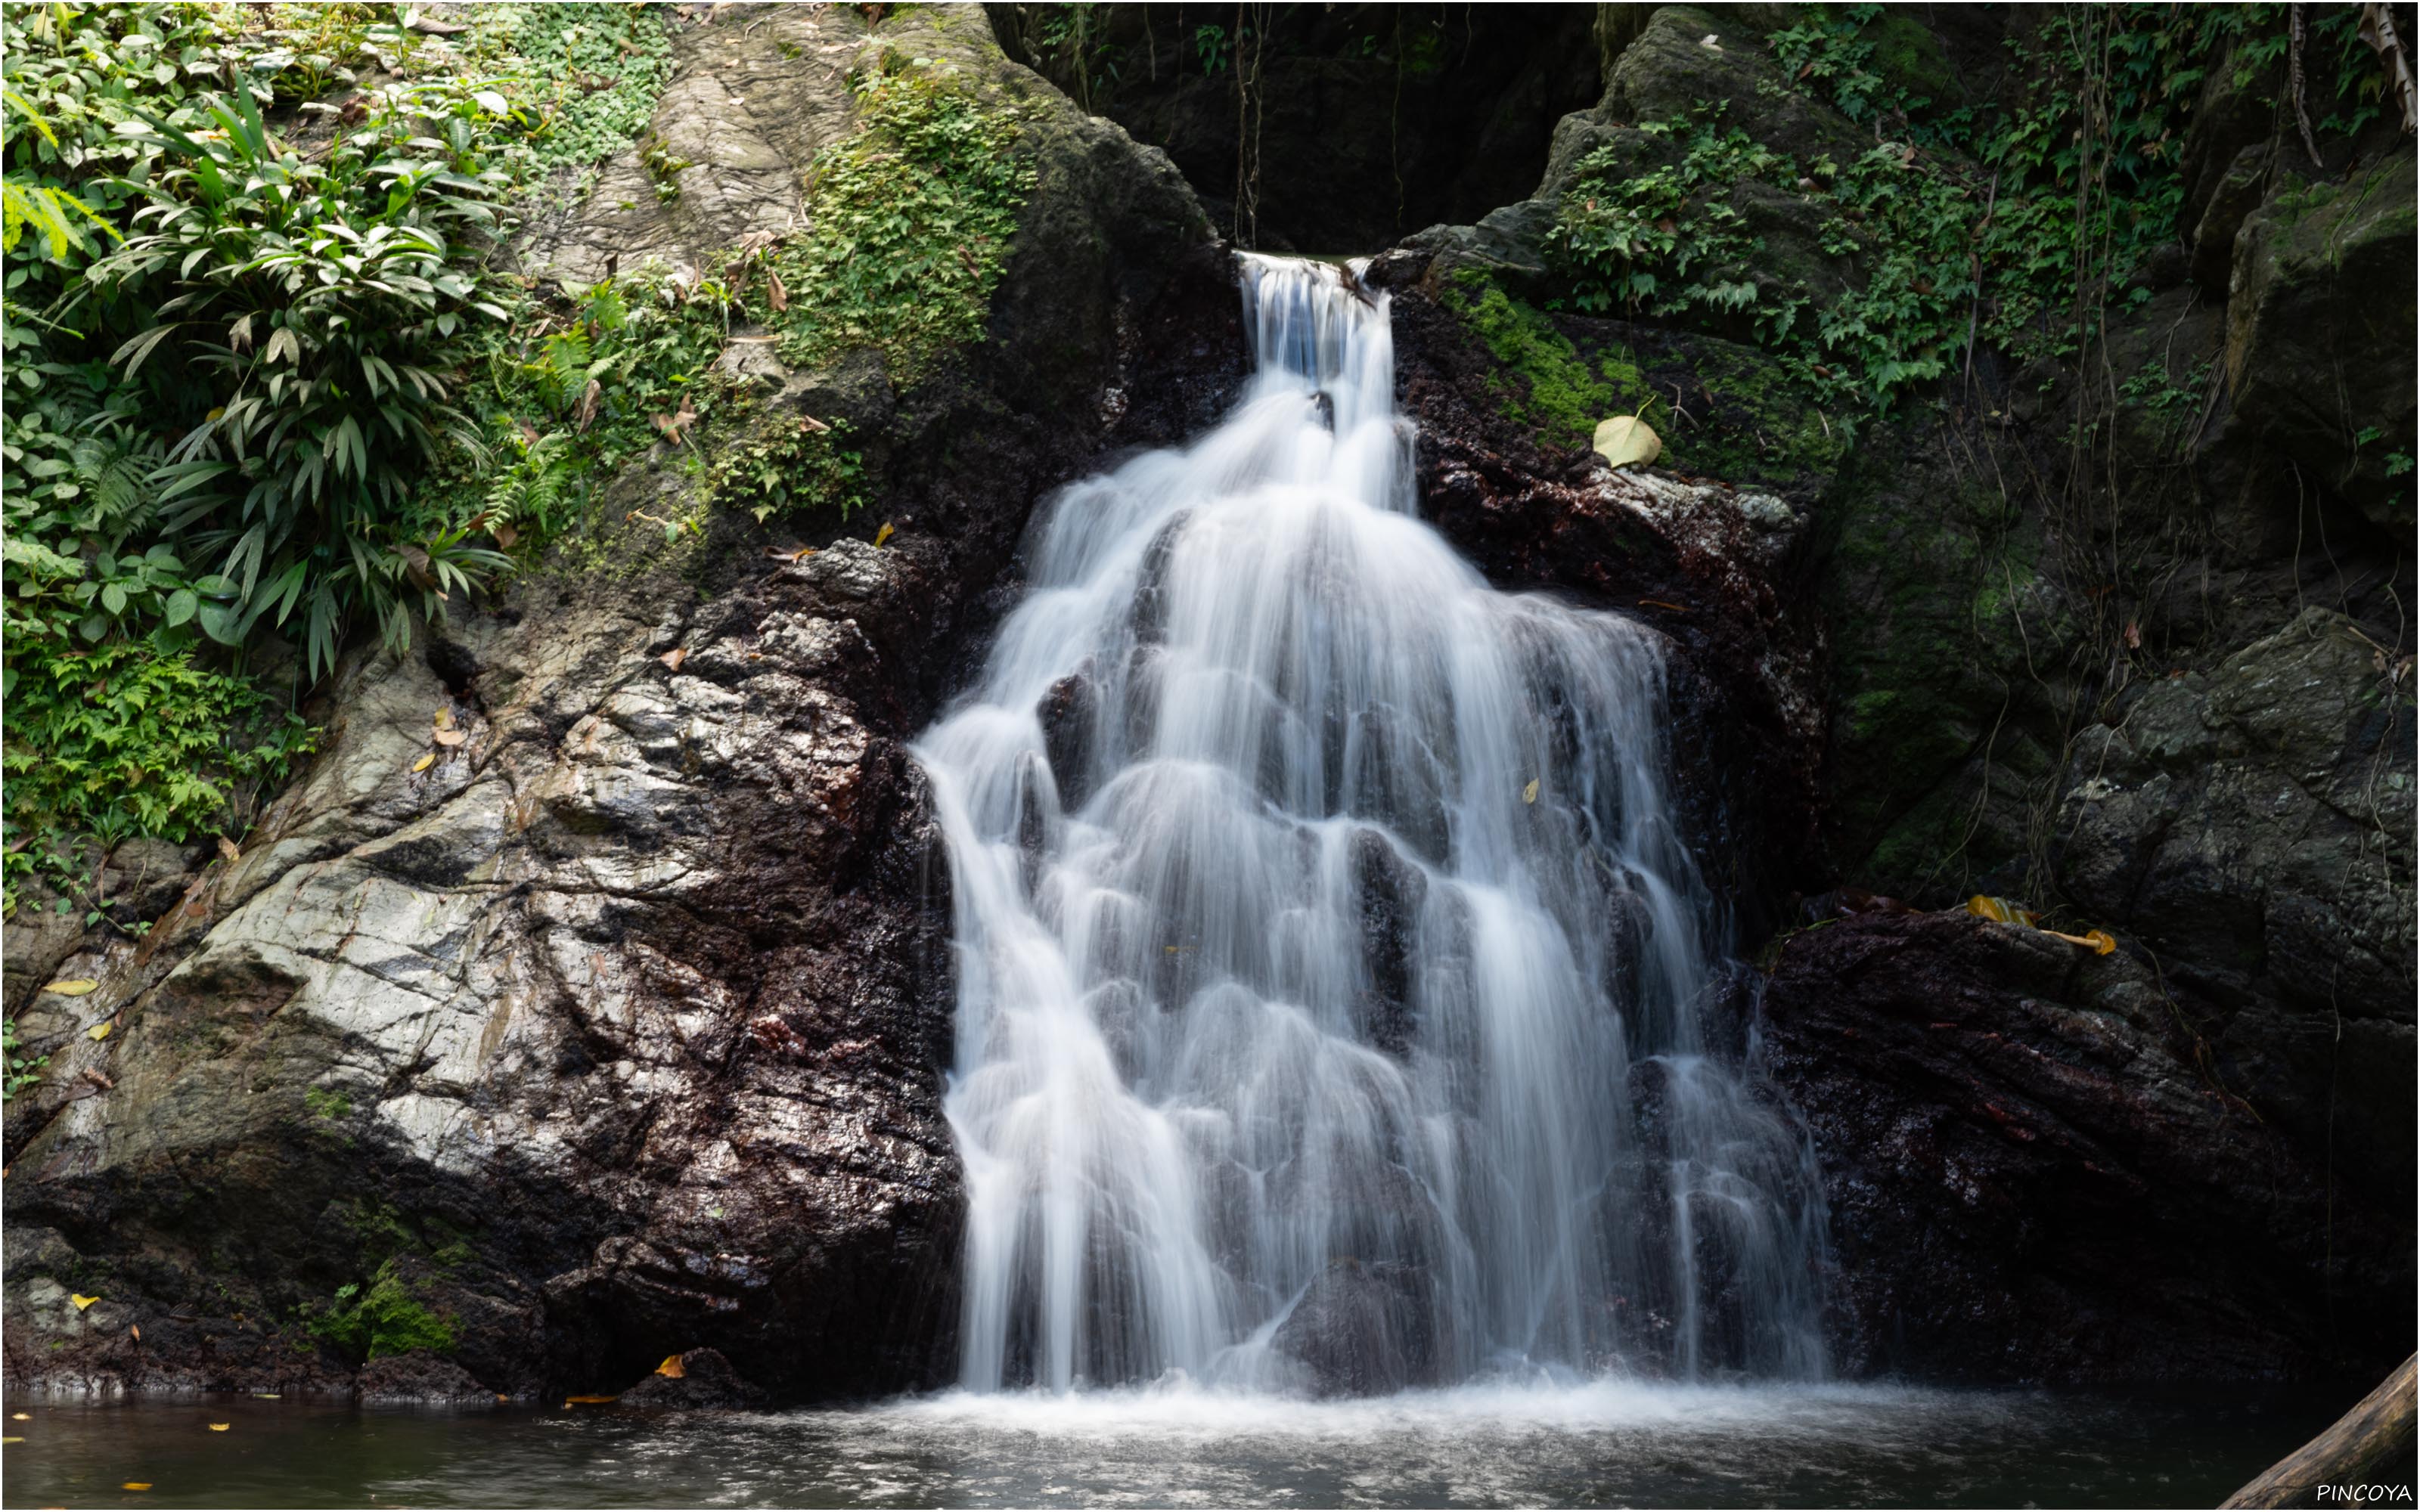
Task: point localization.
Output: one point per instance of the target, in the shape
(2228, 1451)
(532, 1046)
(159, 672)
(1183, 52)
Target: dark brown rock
(706, 1382)
(2038, 1169)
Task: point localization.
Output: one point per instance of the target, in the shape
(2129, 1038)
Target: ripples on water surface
(1597, 1444)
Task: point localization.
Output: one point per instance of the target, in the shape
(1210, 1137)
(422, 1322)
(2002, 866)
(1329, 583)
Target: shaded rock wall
(1353, 124)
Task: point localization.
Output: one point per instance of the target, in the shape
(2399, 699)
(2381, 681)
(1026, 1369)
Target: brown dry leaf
(449, 738)
(505, 536)
(775, 295)
(2134, 636)
(674, 658)
(796, 553)
(230, 849)
(75, 987)
(529, 432)
(671, 1366)
(673, 424)
(423, 765)
(1664, 603)
(589, 1401)
(883, 534)
(136, 1331)
(590, 397)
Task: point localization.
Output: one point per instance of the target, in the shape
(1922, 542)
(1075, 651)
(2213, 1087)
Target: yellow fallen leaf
(422, 765)
(671, 1366)
(2000, 911)
(74, 988)
(13, 1439)
(21, 1417)
(81, 1301)
(1529, 793)
(136, 1485)
(98, 1032)
(569, 1402)
(266, 1395)
(449, 738)
(1626, 440)
(221, 1428)
(445, 719)
(883, 534)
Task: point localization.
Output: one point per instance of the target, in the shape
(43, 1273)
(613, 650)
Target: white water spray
(1330, 970)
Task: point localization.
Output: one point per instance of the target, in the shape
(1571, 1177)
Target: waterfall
(1332, 978)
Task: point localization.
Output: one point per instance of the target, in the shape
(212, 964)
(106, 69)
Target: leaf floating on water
(136, 1485)
(587, 1401)
(268, 1395)
(1529, 793)
(221, 1428)
(21, 1417)
(883, 534)
(422, 765)
(81, 1301)
(98, 1032)
(671, 1366)
(13, 1439)
(449, 738)
(1626, 440)
(75, 987)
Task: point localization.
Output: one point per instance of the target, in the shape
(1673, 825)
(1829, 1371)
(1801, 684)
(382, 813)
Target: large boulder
(2039, 1168)
(618, 1029)
(2320, 310)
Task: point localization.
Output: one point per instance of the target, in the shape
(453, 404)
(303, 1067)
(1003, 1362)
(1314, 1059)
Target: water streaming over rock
(1331, 972)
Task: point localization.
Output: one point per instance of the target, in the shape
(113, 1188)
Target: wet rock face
(2040, 1169)
(617, 1030)
(1366, 1328)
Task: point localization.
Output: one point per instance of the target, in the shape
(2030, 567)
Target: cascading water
(1331, 973)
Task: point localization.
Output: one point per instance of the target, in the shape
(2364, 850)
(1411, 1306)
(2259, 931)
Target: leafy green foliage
(21, 1071)
(596, 71)
(317, 303)
(2003, 227)
(137, 741)
(789, 462)
(907, 226)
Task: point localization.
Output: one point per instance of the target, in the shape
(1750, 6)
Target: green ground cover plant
(2008, 225)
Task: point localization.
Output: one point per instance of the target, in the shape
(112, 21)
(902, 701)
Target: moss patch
(1542, 380)
(386, 1319)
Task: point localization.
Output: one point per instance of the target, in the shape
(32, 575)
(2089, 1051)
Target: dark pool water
(1593, 1444)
